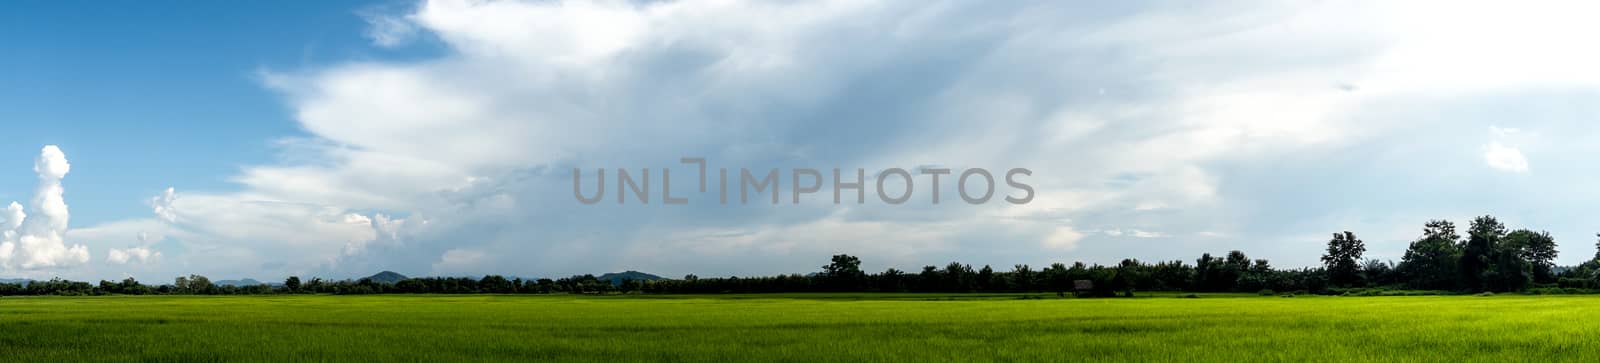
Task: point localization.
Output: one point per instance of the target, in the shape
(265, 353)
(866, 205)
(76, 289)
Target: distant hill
(15, 281)
(617, 277)
(244, 282)
(387, 277)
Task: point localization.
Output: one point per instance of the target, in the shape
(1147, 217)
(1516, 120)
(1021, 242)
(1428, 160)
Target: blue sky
(149, 97)
(436, 138)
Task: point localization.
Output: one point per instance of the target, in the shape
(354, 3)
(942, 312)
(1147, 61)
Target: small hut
(1082, 286)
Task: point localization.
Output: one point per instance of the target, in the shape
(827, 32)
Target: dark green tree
(1132, 274)
(495, 284)
(1233, 268)
(1596, 248)
(959, 277)
(844, 273)
(194, 284)
(1478, 254)
(1376, 273)
(986, 278)
(891, 280)
(1058, 278)
(292, 284)
(1430, 262)
(928, 280)
(1536, 250)
(1208, 274)
(1342, 259)
(1022, 278)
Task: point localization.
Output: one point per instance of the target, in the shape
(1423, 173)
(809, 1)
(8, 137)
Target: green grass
(799, 328)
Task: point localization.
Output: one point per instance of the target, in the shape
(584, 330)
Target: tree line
(201, 285)
(1489, 257)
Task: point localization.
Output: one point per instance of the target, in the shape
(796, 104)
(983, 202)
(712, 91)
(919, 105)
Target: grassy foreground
(799, 328)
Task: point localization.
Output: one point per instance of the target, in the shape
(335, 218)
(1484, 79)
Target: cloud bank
(1157, 130)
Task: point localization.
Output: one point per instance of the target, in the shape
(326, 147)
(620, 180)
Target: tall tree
(1477, 255)
(1022, 278)
(1342, 259)
(1257, 278)
(1057, 278)
(292, 284)
(1234, 267)
(959, 277)
(843, 273)
(1596, 248)
(497, 284)
(1376, 273)
(1535, 249)
(986, 278)
(1430, 261)
(1208, 273)
(891, 280)
(928, 280)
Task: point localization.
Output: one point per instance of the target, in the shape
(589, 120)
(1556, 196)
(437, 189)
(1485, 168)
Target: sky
(338, 139)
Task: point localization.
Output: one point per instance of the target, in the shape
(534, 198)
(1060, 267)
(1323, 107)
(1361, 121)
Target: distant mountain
(15, 281)
(617, 277)
(244, 282)
(387, 277)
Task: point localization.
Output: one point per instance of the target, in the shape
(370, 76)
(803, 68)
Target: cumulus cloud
(9, 222)
(458, 261)
(38, 242)
(1500, 156)
(141, 253)
(1175, 117)
(540, 84)
(162, 205)
(1063, 238)
(1504, 158)
(131, 254)
(254, 228)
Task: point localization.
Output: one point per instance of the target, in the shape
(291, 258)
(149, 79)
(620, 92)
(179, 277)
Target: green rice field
(798, 328)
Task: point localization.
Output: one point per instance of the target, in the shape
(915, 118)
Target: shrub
(1557, 291)
(1266, 292)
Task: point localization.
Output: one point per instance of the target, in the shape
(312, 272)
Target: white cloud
(131, 254)
(12, 219)
(162, 205)
(141, 253)
(1150, 206)
(1136, 233)
(537, 84)
(1503, 152)
(1147, 234)
(388, 31)
(459, 261)
(1504, 158)
(891, 240)
(441, 162)
(295, 235)
(1063, 238)
(38, 242)
(1503, 132)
